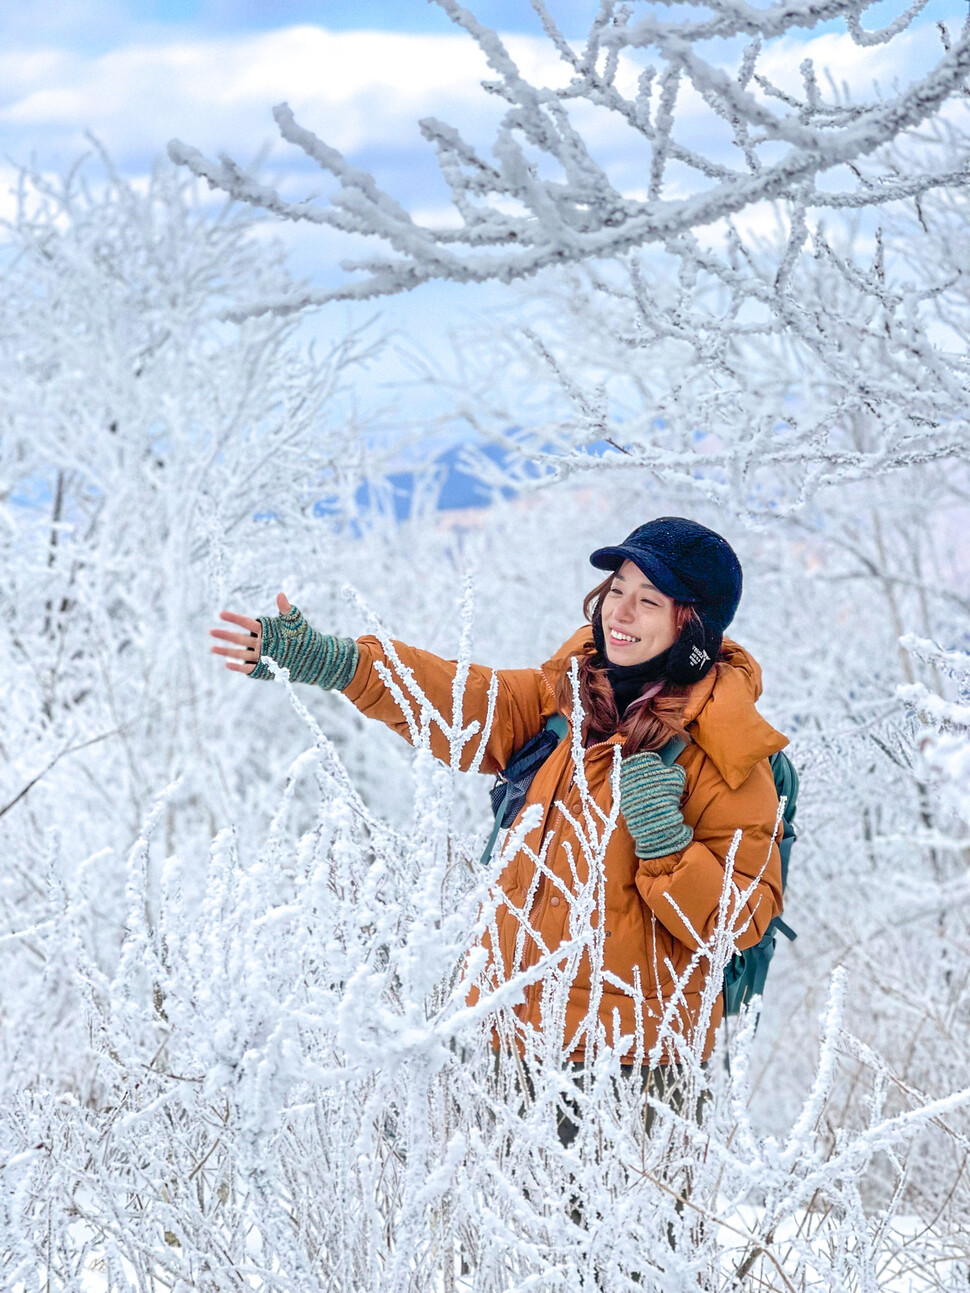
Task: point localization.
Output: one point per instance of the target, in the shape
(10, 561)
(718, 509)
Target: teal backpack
(745, 974)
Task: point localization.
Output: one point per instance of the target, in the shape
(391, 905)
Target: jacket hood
(720, 716)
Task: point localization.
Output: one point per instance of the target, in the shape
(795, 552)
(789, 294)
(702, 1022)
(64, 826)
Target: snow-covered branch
(763, 143)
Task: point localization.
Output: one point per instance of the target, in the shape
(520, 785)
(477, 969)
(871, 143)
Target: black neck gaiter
(628, 680)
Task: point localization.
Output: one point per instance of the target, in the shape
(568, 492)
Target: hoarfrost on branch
(794, 383)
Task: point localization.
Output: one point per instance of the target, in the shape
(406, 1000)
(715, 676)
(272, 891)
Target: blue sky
(81, 19)
(361, 73)
(97, 27)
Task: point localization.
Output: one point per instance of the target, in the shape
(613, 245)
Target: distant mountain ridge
(448, 482)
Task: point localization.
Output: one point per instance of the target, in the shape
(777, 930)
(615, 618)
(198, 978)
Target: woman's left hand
(650, 795)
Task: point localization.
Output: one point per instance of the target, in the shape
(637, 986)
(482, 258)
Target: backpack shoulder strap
(493, 836)
(557, 724)
(672, 751)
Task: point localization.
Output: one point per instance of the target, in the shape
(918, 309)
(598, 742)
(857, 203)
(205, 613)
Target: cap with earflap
(690, 563)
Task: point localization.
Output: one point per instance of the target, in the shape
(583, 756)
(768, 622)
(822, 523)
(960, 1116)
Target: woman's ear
(694, 652)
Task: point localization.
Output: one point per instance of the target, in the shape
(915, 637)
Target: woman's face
(638, 619)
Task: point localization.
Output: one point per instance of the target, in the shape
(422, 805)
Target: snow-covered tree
(140, 436)
(726, 125)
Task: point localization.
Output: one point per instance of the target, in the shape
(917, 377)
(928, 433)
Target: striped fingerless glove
(650, 803)
(309, 656)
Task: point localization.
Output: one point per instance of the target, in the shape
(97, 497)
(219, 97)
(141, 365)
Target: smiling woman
(650, 664)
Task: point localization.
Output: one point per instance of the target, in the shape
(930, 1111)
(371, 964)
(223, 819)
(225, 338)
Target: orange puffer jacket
(655, 911)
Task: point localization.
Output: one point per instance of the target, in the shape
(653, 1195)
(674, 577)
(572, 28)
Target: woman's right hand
(245, 652)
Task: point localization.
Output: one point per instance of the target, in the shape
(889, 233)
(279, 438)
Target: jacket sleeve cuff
(690, 885)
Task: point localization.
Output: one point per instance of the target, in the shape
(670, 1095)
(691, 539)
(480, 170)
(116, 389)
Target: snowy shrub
(289, 1089)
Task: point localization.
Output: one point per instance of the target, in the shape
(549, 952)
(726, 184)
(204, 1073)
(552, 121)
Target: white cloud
(907, 57)
(359, 89)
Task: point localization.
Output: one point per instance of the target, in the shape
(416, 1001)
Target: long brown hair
(647, 724)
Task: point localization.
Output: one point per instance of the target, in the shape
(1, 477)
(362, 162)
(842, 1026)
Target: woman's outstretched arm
(362, 669)
(523, 701)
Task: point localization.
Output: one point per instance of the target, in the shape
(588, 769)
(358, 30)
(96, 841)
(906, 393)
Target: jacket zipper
(540, 905)
(537, 916)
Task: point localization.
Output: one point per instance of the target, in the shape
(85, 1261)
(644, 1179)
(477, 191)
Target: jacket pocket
(636, 942)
